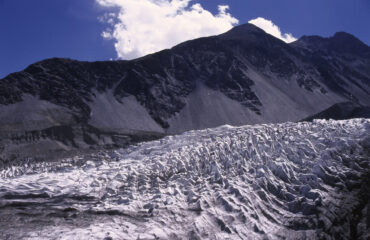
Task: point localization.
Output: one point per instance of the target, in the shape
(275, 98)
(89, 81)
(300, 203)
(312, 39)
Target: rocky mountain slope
(271, 181)
(342, 111)
(244, 76)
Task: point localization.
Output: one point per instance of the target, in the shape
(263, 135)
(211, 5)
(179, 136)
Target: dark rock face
(342, 111)
(341, 60)
(63, 82)
(334, 69)
(159, 81)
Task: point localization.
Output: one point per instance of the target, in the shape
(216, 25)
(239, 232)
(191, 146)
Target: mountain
(307, 180)
(342, 111)
(243, 76)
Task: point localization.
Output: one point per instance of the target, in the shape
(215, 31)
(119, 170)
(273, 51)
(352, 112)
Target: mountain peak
(340, 42)
(246, 27)
(244, 76)
(344, 35)
(345, 42)
(346, 39)
(242, 31)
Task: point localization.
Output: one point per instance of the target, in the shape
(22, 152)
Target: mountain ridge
(244, 76)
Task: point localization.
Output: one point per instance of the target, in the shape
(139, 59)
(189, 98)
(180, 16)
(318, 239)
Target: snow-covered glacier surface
(278, 181)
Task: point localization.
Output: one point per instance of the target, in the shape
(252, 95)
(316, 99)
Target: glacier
(307, 180)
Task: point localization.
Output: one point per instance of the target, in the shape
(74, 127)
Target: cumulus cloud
(269, 27)
(140, 27)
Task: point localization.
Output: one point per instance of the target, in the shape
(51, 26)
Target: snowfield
(274, 181)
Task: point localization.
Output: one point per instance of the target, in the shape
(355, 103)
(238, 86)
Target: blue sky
(32, 30)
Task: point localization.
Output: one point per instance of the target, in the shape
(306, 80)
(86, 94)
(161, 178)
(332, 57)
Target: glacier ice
(272, 181)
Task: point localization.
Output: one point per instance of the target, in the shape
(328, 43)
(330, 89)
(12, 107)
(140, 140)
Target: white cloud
(269, 27)
(140, 27)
